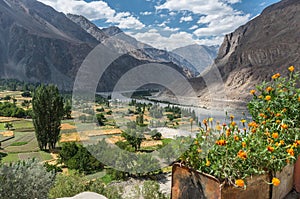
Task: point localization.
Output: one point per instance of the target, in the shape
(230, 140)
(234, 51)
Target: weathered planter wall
(297, 175)
(286, 182)
(191, 184)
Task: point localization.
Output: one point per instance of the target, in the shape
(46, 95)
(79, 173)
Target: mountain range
(39, 44)
(266, 45)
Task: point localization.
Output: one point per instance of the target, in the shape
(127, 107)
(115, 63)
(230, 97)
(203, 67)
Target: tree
(8, 126)
(48, 111)
(25, 180)
(68, 110)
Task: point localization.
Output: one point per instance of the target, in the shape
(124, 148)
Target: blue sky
(167, 24)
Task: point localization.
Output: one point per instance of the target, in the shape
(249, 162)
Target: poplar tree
(48, 111)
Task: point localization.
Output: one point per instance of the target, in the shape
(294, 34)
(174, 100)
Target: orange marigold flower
(269, 89)
(268, 98)
(260, 97)
(263, 122)
(196, 142)
(276, 182)
(281, 142)
(262, 115)
(240, 183)
(252, 92)
(244, 144)
(298, 142)
(236, 138)
(295, 145)
(290, 151)
(221, 142)
(253, 124)
(284, 110)
(275, 135)
(233, 123)
(278, 114)
(284, 126)
(231, 117)
(278, 121)
(276, 76)
(205, 122)
(270, 148)
(207, 163)
(276, 144)
(228, 132)
(291, 68)
(298, 99)
(242, 154)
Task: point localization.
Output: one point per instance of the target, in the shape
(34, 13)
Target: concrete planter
(188, 183)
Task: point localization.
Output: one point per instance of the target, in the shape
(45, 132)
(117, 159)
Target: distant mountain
(255, 51)
(113, 37)
(39, 44)
(199, 56)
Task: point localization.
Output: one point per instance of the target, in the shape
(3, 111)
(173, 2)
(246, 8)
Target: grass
(14, 157)
(107, 179)
(11, 157)
(19, 143)
(22, 125)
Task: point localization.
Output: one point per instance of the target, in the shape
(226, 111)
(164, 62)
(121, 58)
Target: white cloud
(146, 13)
(95, 10)
(217, 16)
(193, 27)
(186, 19)
(175, 40)
(220, 25)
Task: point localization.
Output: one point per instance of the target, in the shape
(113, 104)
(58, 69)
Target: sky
(167, 24)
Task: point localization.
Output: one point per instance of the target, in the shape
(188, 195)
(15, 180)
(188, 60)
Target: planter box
(297, 175)
(190, 184)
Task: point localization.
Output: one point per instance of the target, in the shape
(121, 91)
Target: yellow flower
(199, 150)
(278, 114)
(276, 76)
(244, 144)
(269, 89)
(298, 99)
(233, 123)
(207, 163)
(228, 133)
(260, 97)
(290, 151)
(284, 126)
(291, 68)
(196, 142)
(282, 142)
(275, 135)
(236, 138)
(240, 183)
(268, 98)
(276, 182)
(252, 92)
(243, 121)
(211, 119)
(218, 127)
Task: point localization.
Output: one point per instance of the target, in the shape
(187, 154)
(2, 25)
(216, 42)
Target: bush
(27, 179)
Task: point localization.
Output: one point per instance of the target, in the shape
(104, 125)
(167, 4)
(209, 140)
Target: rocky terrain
(39, 44)
(254, 52)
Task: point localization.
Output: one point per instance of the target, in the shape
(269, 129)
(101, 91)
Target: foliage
(67, 186)
(67, 109)
(79, 158)
(11, 110)
(24, 180)
(101, 119)
(8, 125)
(155, 135)
(268, 144)
(73, 184)
(26, 94)
(47, 106)
(134, 135)
(51, 167)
